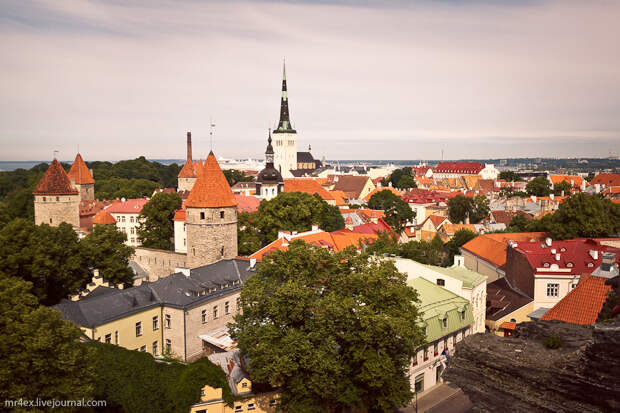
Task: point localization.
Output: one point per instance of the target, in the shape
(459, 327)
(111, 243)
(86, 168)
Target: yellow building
(506, 308)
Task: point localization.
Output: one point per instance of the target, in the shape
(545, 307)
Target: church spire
(285, 122)
(269, 152)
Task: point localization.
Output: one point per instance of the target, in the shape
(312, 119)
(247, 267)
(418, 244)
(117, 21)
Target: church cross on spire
(285, 121)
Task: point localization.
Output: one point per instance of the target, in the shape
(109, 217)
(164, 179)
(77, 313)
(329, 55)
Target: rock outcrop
(520, 374)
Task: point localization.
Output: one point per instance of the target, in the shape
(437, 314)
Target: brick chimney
(189, 146)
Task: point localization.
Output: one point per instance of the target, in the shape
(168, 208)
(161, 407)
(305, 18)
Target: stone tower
(211, 217)
(285, 137)
(269, 182)
(187, 175)
(81, 179)
(55, 200)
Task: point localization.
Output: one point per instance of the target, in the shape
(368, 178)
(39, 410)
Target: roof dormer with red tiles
(55, 200)
(211, 217)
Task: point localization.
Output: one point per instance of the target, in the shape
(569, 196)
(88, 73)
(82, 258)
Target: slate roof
(177, 290)
(55, 182)
(305, 157)
(503, 300)
(79, 172)
(583, 303)
(211, 189)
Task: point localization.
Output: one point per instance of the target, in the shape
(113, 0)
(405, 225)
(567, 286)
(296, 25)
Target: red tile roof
(247, 203)
(505, 217)
(583, 303)
(308, 186)
(437, 220)
(352, 185)
(376, 190)
(129, 206)
(571, 179)
(459, 167)
(606, 179)
(188, 170)
(492, 247)
(103, 217)
(55, 182)
(179, 215)
(211, 189)
(79, 172)
(507, 325)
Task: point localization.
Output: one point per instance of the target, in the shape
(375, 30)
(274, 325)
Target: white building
(457, 279)
(126, 213)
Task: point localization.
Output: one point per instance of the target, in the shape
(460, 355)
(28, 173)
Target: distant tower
(81, 179)
(55, 200)
(285, 137)
(269, 182)
(187, 175)
(211, 217)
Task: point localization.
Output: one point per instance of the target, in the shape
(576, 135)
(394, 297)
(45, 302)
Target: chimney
(189, 146)
(252, 262)
(548, 241)
(315, 227)
(594, 254)
(557, 257)
(608, 260)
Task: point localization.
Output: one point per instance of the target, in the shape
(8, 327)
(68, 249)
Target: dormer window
(590, 264)
(569, 265)
(444, 322)
(546, 265)
(562, 249)
(462, 315)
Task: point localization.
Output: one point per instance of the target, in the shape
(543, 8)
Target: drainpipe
(184, 338)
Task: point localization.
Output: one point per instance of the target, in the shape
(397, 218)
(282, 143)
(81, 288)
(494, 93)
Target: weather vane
(211, 126)
(55, 152)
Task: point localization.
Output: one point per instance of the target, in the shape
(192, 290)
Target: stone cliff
(519, 374)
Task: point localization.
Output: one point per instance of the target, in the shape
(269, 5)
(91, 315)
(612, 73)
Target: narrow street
(444, 398)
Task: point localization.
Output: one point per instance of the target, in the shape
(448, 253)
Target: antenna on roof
(211, 126)
(55, 152)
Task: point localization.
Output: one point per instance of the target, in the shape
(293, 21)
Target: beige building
(55, 199)
(180, 314)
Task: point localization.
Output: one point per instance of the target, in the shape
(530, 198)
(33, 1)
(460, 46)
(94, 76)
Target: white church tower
(285, 137)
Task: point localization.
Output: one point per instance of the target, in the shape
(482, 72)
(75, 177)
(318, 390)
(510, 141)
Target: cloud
(373, 79)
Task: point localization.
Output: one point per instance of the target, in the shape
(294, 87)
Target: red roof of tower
(211, 189)
(79, 172)
(55, 182)
(188, 170)
(103, 217)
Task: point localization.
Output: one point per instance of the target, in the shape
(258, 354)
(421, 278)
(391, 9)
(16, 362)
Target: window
(462, 315)
(133, 239)
(57, 198)
(155, 323)
(573, 285)
(512, 320)
(227, 307)
(201, 410)
(43, 199)
(238, 304)
(238, 408)
(131, 220)
(244, 384)
(273, 402)
(251, 406)
(123, 218)
(168, 346)
(155, 348)
(441, 282)
(425, 354)
(204, 316)
(116, 337)
(553, 290)
(444, 322)
(108, 338)
(419, 383)
(138, 328)
(445, 343)
(214, 312)
(143, 349)
(202, 215)
(132, 230)
(222, 251)
(50, 220)
(435, 349)
(202, 392)
(222, 214)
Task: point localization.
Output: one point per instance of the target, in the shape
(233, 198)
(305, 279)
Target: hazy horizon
(477, 79)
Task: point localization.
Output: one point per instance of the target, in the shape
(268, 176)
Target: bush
(553, 341)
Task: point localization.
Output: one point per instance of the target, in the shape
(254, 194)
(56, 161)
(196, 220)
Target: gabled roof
(352, 185)
(211, 189)
(308, 186)
(55, 182)
(606, 179)
(437, 220)
(79, 172)
(502, 299)
(571, 179)
(103, 217)
(502, 216)
(492, 247)
(451, 229)
(583, 304)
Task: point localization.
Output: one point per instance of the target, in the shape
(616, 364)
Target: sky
(366, 79)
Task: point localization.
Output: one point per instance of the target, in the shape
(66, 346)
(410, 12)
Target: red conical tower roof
(55, 182)
(79, 172)
(188, 170)
(211, 189)
(103, 217)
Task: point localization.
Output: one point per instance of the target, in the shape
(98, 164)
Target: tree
(248, 237)
(332, 331)
(48, 257)
(539, 186)
(41, 355)
(104, 249)
(562, 188)
(460, 238)
(397, 212)
(400, 178)
(233, 176)
(461, 207)
(518, 223)
(406, 182)
(295, 211)
(583, 215)
(156, 229)
(510, 176)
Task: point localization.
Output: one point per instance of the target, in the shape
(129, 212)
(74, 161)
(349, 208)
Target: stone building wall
(174, 333)
(185, 184)
(208, 233)
(159, 263)
(54, 209)
(87, 191)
